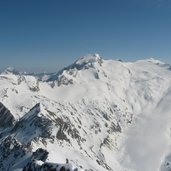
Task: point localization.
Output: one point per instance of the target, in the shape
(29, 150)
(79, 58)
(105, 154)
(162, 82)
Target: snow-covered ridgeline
(85, 111)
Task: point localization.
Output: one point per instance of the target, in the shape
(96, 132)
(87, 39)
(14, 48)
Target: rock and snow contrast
(94, 115)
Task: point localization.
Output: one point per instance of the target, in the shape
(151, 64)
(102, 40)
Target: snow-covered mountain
(94, 115)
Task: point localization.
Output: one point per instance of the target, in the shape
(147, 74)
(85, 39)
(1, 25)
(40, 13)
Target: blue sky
(49, 34)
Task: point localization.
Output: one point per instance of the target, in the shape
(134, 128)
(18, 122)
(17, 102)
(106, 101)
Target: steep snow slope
(93, 112)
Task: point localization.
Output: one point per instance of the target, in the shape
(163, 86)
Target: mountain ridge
(82, 113)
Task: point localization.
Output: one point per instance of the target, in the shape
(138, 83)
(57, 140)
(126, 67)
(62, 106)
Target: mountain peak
(89, 59)
(85, 62)
(11, 70)
(37, 110)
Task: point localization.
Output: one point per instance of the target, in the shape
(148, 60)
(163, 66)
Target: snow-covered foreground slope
(96, 114)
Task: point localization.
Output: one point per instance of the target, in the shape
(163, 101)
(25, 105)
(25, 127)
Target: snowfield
(94, 115)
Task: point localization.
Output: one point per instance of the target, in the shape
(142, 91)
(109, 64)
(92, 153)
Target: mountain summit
(89, 59)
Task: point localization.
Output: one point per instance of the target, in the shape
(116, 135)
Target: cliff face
(6, 118)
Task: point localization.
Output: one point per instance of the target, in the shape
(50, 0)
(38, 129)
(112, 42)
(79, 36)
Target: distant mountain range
(94, 115)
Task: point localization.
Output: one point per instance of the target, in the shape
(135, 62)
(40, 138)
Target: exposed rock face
(11, 151)
(40, 154)
(41, 166)
(6, 118)
(38, 125)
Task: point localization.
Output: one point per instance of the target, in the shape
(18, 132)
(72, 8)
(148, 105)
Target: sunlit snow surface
(148, 141)
(120, 110)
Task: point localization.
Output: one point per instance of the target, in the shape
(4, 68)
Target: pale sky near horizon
(48, 35)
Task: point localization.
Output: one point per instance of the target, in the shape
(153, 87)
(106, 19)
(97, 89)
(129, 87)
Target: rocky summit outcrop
(43, 166)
